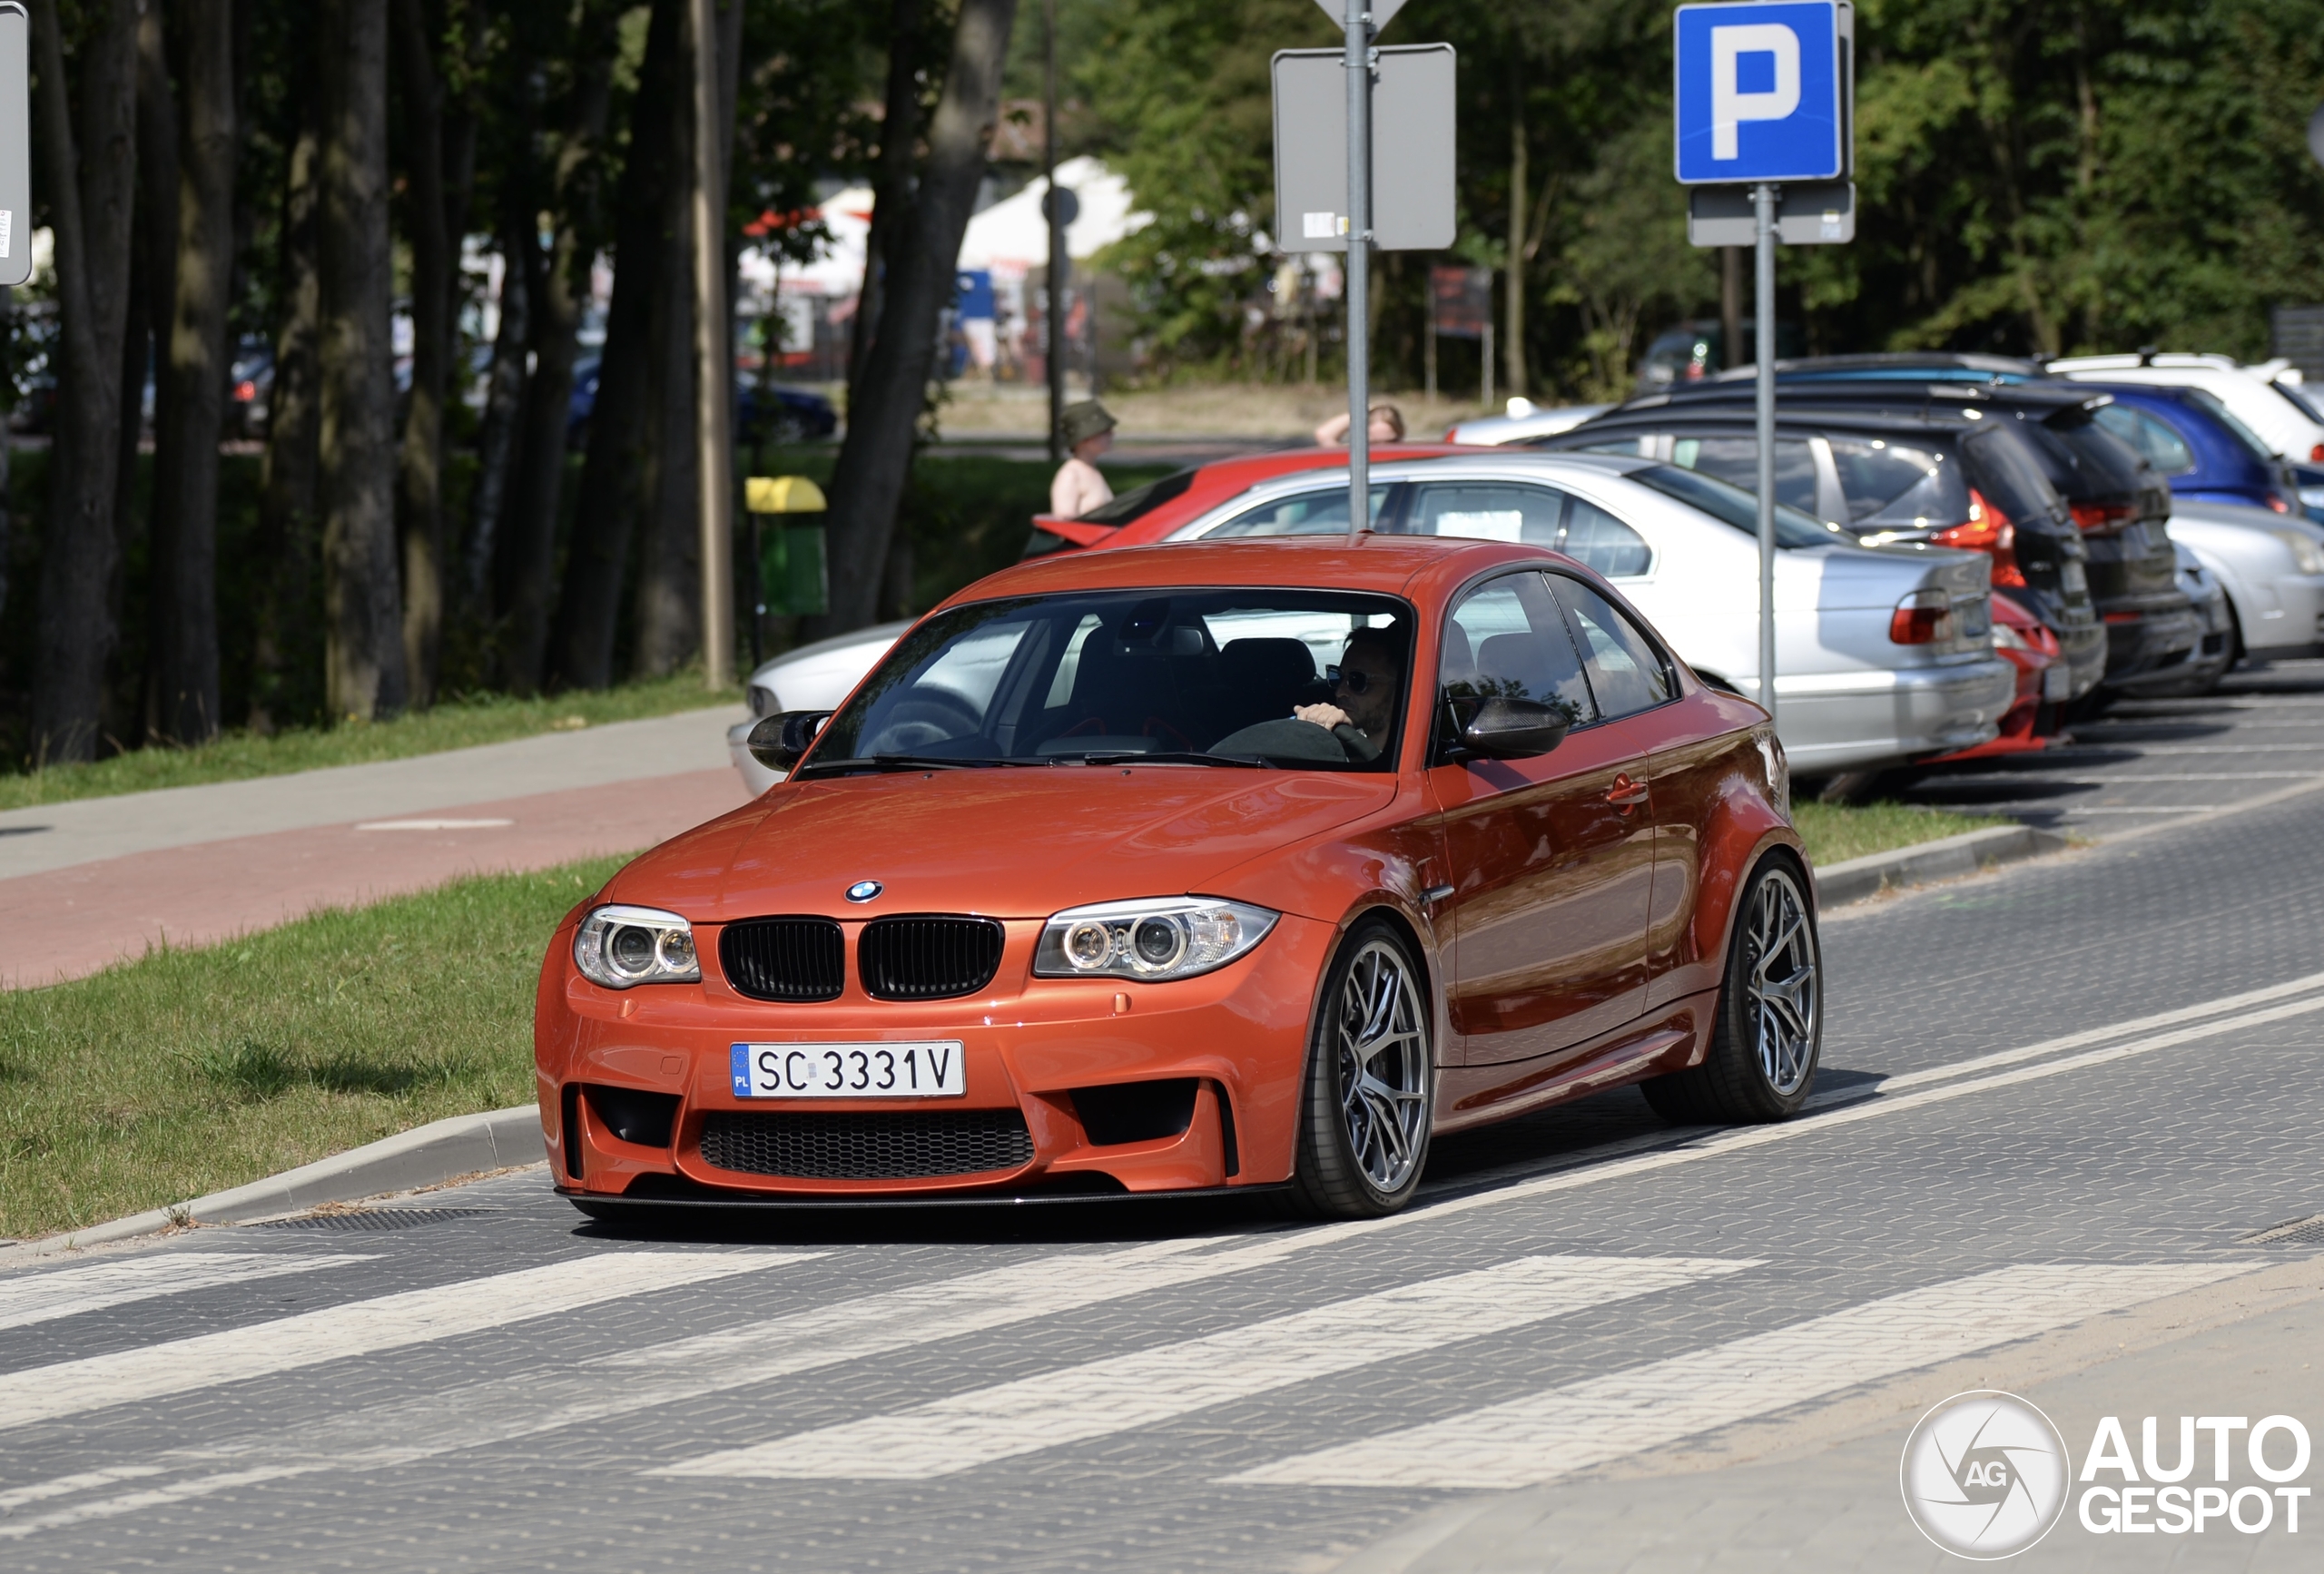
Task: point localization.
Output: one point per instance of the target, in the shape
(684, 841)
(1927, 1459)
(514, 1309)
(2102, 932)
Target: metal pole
(1053, 309)
(1358, 293)
(713, 365)
(1763, 203)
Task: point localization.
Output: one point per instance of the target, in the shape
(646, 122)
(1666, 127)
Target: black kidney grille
(784, 959)
(875, 1146)
(925, 957)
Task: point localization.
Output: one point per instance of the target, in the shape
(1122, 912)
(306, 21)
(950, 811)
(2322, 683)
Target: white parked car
(2262, 396)
(1524, 420)
(1883, 655)
(2271, 567)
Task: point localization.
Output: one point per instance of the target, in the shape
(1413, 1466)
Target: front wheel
(1371, 1087)
(1771, 1029)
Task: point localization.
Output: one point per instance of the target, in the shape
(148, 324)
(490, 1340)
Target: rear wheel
(1771, 1029)
(1370, 1094)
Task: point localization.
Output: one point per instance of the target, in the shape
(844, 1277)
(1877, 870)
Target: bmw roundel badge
(864, 890)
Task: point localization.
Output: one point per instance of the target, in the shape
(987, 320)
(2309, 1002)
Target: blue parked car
(2208, 454)
(772, 414)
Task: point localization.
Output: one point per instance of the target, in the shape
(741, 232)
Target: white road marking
(1563, 1429)
(1143, 1387)
(69, 1292)
(14, 1530)
(357, 1328)
(433, 824)
(81, 1481)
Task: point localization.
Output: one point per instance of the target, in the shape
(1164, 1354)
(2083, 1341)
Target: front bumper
(2152, 641)
(1238, 1036)
(1833, 722)
(2296, 628)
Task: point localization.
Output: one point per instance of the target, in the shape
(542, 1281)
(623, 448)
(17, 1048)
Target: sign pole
(1358, 293)
(1763, 202)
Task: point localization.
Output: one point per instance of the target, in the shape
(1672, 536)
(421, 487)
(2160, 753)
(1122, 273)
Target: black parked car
(1891, 475)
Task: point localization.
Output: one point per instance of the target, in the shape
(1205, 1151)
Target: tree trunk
(527, 547)
(891, 186)
(613, 493)
(363, 662)
(190, 384)
(288, 511)
(152, 303)
(89, 172)
(419, 481)
(669, 600)
(504, 410)
(1520, 194)
(883, 412)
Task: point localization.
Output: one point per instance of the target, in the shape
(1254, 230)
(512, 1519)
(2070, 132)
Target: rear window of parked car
(1894, 484)
(1733, 505)
(2164, 449)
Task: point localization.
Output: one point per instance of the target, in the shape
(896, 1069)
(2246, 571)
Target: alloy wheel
(1382, 1041)
(1785, 991)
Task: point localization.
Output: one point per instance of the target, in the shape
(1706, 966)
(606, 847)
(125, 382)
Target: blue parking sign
(1762, 91)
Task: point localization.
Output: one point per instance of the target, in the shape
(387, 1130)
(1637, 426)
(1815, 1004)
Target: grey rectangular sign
(16, 145)
(1412, 150)
(1807, 213)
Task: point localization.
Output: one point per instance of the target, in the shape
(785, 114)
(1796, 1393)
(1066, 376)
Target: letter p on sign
(1761, 90)
(1730, 103)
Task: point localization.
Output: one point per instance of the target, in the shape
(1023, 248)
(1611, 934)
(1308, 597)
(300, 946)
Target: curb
(423, 1156)
(1947, 858)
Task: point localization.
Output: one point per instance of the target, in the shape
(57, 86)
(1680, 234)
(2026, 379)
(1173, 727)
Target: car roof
(1386, 565)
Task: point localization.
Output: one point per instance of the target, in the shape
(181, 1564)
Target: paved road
(2059, 1102)
(83, 884)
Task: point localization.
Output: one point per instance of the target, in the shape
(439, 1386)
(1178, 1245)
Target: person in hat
(1079, 486)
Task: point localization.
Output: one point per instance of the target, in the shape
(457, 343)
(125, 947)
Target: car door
(1549, 859)
(1632, 682)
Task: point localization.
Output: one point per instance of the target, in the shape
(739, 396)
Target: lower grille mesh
(873, 1146)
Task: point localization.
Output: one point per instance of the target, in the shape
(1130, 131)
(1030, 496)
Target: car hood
(1005, 842)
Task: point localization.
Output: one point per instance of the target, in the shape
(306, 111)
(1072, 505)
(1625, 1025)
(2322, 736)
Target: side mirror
(1510, 729)
(778, 741)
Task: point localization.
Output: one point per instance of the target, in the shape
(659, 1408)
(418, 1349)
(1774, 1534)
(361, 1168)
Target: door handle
(1625, 792)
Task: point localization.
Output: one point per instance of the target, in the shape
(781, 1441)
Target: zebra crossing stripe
(357, 1328)
(1563, 1429)
(69, 1292)
(1122, 1392)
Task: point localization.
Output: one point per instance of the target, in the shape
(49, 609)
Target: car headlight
(619, 946)
(2307, 557)
(1158, 938)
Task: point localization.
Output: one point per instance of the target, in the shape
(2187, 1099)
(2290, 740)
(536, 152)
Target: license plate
(930, 1068)
(2057, 683)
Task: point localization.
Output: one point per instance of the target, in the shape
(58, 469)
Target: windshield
(1305, 678)
(1738, 508)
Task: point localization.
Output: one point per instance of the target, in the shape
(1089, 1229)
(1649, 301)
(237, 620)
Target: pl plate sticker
(1985, 1475)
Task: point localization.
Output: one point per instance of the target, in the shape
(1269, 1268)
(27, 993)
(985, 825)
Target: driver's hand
(1325, 716)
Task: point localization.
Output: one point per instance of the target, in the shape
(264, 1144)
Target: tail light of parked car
(1923, 617)
(2104, 518)
(2279, 503)
(1988, 530)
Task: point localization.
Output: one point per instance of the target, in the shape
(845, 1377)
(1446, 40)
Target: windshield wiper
(1177, 757)
(904, 762)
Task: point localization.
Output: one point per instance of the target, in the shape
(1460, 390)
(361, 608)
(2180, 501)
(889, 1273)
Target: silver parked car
(2272, 566)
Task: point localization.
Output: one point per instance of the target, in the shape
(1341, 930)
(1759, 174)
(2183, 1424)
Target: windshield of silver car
(1250, 678)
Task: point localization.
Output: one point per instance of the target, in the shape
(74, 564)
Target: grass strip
(459, 724)
(189, 1071)
(1837, 831)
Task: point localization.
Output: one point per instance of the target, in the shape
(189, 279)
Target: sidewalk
(87, 883)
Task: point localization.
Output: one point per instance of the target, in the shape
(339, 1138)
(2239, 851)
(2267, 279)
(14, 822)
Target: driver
(1362, 711)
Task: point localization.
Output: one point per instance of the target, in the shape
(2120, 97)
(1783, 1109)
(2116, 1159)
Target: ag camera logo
(1985, 1475)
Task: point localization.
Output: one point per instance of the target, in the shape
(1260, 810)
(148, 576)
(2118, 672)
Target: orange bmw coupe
(1198, 868)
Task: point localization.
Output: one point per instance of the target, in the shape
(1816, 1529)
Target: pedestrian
(1079, 486)
(1387, 426)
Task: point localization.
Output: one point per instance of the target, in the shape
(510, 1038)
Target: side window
(1895, 484)
(1323, 513)
(1506, 638)
(1488, 511)
(1627, 674)
(1604, 542)
(1736, 461)
(2165, 450)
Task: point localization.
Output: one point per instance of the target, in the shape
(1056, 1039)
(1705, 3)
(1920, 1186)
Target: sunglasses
(1354, 680)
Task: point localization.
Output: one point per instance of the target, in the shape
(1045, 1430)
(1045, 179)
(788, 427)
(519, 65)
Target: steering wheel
(926, 716)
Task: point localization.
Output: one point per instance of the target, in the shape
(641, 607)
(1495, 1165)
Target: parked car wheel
(1371, 1082)
(1771, 1029)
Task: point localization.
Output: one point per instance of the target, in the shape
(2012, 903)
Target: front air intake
(914, 1145)
(790, 960)
(927, 956)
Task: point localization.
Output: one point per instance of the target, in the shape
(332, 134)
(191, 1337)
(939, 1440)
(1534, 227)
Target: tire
(1767, 1042)
(1363, 1144)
